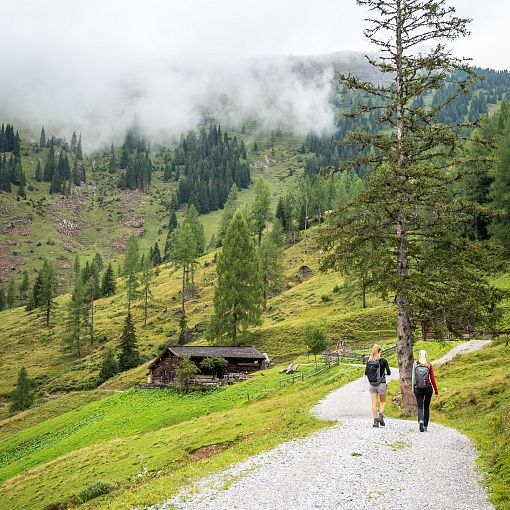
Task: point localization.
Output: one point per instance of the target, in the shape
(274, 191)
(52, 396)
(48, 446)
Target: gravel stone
(352, 466)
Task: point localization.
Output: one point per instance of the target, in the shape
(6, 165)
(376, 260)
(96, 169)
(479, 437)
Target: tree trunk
(183, 287)
(91, 320)
(404, 331)
(234, 331)
(145, 306)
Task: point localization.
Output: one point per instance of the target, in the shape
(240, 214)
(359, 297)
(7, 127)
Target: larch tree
(229, 210)
(75, 316)
(48, 289)
(260, 213)
(407, 220)
(271, 261)
(146, 281)
(184, 251)
(238, 293)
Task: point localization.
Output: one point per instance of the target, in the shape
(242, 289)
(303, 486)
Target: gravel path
(351, 466)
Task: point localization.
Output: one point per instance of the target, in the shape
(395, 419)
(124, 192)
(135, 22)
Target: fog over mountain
(100, 66)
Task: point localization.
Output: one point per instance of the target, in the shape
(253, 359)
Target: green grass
(475, 399)
(104, 441)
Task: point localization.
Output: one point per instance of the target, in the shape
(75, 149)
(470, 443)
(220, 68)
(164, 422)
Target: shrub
(325, 298)
(94, 491)
(337, 288)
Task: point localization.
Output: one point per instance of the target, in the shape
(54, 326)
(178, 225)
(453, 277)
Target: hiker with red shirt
(423, 382)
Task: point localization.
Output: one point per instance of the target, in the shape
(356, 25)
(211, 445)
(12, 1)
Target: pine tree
(11, 294)
(24, 287)
(74, 141)
(56, 182)
(48, 289)
(193, 220)
(407, 210)
(75, 316)
(238, 294)
(156, 255)
(50, 165)
(5, 178)
(3, 299)
(172, 222)
(261, 209)
(500, 192)
(108, 283)
(79, 153)
(108, 366)
(128, 356)
(98, 261)
(42, 138)
(23, 396)
(38, 172)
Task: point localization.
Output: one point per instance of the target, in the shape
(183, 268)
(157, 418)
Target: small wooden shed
(239, 359)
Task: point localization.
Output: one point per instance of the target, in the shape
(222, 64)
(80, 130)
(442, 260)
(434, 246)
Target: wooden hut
(239, 360)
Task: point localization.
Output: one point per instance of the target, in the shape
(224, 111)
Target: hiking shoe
(422, 427)
(425, 428)
(381, 420)
(376, 423)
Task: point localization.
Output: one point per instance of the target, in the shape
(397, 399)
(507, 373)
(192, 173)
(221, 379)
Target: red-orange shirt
(433, 379)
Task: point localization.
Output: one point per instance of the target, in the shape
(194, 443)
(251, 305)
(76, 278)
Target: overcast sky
(73, 58)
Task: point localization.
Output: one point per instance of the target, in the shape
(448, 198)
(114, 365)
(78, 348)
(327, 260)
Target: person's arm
(388, 371)
(433, 379)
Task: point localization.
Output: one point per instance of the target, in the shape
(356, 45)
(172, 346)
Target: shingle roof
(205, 351)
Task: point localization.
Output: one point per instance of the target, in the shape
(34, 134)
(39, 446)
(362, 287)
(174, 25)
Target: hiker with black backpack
(423, 382)
(376, 370)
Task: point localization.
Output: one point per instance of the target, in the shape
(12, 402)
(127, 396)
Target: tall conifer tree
(238, 294)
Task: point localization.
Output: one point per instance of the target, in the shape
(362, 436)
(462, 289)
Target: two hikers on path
(423, 381)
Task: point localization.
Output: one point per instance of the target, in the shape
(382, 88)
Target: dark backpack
(421, 375)
(373, 372)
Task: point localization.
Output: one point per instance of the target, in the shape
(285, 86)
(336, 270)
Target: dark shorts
(380, 389)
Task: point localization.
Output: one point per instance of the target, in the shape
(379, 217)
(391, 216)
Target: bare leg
(373, 396)
(383, 403)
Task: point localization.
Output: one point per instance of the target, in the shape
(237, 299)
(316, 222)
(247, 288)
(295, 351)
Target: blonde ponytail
(376, 353)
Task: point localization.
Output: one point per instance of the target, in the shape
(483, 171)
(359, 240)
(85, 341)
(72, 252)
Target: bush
(337, 289)
(94, 491)
(325, 298)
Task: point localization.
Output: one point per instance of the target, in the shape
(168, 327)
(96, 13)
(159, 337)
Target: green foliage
(238, 293)
(108, 366)
(129, 356)
(47, 289)
(184, 373)
(75, 317)
(213, 363)
(22, 397)
(108, 285)
(271, 261)
(316, 340)
(94, 491)
(260, 213)
(229, 210)
(11, 294)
